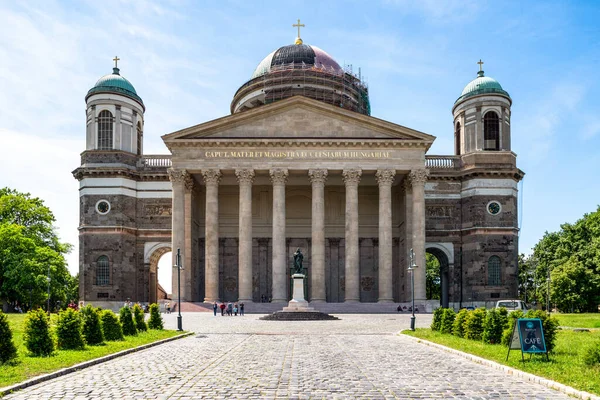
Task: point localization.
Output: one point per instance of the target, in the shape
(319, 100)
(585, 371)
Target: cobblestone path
(244, 358)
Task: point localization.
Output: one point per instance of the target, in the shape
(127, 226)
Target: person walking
(222, 307)
(229, 309)
(235, 309)
(241, 309)
(168, 307)
(215, 306)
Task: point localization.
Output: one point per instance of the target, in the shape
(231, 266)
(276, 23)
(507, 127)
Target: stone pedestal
(298, 302)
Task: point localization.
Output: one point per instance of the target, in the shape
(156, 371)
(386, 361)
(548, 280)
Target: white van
(512, 305)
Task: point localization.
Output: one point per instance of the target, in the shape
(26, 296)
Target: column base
(351, 301)
(209, 300)
(318, 301)
(279, 301)
(385, 300)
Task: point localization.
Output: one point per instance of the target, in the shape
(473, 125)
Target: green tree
(127, 323)
(432, 277)
(69, 330)
(92, 325)
(111, 327)
(573, 286)
(30, 250)
(574, 247)
(156, 321)
(138, 317)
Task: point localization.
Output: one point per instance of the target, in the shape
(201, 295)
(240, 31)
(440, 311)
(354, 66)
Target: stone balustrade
(442, 162)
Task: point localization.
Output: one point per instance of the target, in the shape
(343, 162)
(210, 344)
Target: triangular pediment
(298, 118)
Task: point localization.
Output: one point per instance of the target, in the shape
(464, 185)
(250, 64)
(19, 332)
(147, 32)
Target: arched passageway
(159, 256)
(437, 261)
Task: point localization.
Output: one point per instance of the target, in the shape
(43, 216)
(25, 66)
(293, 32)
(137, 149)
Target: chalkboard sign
(528, 336)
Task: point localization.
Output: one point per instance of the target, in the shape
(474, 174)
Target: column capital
(189, 183)
(211, 176)
(385, 177)
(245, 176)
(351, 176)
(317, 176)
(278, 176)
(418, 177)
(177, 175)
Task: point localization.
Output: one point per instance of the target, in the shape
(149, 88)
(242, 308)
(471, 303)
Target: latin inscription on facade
(318, 154)
(439, 211)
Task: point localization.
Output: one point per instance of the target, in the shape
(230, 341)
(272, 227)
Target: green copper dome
(115, 83)
(482, 85)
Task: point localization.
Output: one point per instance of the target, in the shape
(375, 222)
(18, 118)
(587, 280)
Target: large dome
(115, 83)
(482, 85)
(308, 55)
(302, 70)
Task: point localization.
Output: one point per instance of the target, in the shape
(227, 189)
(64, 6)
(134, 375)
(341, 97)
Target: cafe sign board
(528, 336)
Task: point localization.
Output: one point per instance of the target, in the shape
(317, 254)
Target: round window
(494, 207)
(103, 207)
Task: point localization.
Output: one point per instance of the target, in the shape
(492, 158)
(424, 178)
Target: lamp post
(48, 279)
(179, 268)
(411, 269)
(548, 293)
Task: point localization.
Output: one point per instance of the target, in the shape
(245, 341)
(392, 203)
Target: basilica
(299, 163)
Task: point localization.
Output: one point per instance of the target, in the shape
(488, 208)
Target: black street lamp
(179, 268)
(48, 279)
(548, 293)
(411, 270)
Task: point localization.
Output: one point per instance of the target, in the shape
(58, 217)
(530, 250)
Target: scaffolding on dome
(341, 88)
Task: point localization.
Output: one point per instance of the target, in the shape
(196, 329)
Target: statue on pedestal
(298, 257)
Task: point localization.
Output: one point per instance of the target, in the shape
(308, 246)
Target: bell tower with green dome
(482, 116)
(115, 115)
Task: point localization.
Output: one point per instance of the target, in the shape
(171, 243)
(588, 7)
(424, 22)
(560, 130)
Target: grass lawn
(579, 320)
(28, 367)
(565, 365)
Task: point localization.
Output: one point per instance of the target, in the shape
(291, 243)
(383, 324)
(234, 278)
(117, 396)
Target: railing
(442, 162)
(156, 161)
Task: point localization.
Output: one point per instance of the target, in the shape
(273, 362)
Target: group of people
(229, 308)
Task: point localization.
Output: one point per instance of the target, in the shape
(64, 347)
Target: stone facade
(240, 194)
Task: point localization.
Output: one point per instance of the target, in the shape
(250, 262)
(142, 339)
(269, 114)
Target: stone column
(178, 178)
(317, 179)
(351, 179)
(245, 178)
(407, 188)
(279, 178)
(211, 276)
(385, 178)
(186, 258)
(418, 177)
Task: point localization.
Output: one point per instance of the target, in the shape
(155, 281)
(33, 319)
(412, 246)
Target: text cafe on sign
(528, 336)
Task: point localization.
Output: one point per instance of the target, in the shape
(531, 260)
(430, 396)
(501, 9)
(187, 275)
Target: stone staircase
(328, 308)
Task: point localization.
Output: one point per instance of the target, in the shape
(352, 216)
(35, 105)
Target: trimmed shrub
(459, 322)
(503, 313)
(37, 336)
(591, 357)
(69, 330)
(508, 327)
(8, 351)
(493, 327)
(138, 316)
(111, 327)
(126, 320)
(156, 321)
(447, 320)
(474, 324)
(437, 319)
(92, 325)
(549, 324)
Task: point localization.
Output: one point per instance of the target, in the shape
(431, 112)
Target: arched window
(457, 139)
(491, 131)
(494, 271)
(102, 271)
(139, 139)
(105, 130)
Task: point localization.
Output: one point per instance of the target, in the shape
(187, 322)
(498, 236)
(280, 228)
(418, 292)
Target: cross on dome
(298, 40)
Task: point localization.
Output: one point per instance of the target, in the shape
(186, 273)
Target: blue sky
(187, 58)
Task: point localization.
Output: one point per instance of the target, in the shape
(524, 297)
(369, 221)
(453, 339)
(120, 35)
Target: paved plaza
(360, 356)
